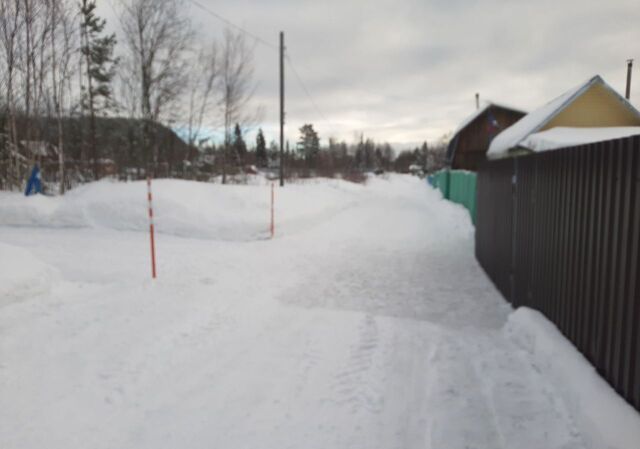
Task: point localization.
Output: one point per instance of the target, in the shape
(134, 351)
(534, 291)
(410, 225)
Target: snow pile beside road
(183, 208)
(21, 275)
(604, 416)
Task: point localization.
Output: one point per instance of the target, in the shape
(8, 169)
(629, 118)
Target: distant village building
(590, 112)
(470, 141)
(106, 167)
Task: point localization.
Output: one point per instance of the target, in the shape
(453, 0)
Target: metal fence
(458, 186)
(560, 232)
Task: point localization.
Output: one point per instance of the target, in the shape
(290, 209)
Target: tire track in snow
(351, 387)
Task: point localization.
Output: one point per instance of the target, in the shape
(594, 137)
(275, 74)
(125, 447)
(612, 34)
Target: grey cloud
(407, 70)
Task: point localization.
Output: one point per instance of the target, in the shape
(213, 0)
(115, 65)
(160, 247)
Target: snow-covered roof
(477, 113)
(467, 121)
(513, 136)
(561, 137)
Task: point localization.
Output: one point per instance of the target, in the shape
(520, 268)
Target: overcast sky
(406, 71)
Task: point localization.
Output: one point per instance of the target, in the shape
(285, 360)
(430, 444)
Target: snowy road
(372, 328)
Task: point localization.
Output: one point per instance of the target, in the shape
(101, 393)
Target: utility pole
(629, 66)
(281, 109)
(477, 101)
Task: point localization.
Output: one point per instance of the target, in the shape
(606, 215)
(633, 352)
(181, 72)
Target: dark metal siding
(560, 232)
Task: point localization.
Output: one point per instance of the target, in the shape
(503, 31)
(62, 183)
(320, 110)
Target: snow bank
(601, 413)
(22, 275)
(183, 208)
(562, 137)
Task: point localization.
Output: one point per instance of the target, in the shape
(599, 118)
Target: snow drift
(181, 208)
(607, 419)
(22, 275)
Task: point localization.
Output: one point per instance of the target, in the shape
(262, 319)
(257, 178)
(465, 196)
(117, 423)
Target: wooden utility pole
(477, 101)
(281, 109)
(629, 66)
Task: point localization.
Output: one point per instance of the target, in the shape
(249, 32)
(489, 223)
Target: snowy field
(366, 323)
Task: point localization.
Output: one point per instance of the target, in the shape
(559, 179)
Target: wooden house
(470, 141)
(591, 108)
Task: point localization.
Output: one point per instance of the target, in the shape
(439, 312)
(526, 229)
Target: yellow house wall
(596, 107)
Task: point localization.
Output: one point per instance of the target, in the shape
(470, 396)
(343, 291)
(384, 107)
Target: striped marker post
(153, 243)
(273, 225)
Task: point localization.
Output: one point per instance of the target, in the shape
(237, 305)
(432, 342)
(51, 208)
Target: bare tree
(33, 38)
(9, 29)
(60, 14)
(157, 36)
(203, 77)
(10, 24)
(236, 78)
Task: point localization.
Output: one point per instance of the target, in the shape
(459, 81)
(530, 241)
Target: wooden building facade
(470, 142)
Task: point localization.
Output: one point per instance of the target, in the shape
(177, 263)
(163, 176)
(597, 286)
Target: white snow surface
(21, 274)
(606, 419)
(181, 208)
(562, 137)
(366, 323)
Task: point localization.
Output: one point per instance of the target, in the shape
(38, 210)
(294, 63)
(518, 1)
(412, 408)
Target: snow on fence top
(533, 122)
(562, 137)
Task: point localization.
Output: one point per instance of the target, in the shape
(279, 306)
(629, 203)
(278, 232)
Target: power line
(304, 88)
(268, 44)
(231, 24)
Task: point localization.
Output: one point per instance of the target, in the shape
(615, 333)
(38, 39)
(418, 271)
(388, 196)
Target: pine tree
(261, 150)
(239, 146)
(100, 65)
(424, 156)
(309, 143)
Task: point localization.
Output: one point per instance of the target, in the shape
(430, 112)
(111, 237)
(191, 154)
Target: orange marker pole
(273, 230)
(153, 243)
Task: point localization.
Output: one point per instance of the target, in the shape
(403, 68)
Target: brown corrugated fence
(559, 232)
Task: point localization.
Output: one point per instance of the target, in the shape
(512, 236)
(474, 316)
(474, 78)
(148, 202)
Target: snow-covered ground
(366, 323)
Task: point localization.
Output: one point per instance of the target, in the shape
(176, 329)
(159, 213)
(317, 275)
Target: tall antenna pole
(477, 101)
(629, 66)
(281, 108)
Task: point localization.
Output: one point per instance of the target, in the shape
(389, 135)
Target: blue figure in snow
(34, 184)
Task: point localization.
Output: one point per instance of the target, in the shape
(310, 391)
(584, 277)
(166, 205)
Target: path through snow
(373, 328)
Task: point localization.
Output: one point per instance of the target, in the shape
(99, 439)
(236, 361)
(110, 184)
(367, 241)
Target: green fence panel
(458, 186)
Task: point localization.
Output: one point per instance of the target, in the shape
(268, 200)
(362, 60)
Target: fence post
(514, 228)
(447, 183)
(272, 228)
(151, 233)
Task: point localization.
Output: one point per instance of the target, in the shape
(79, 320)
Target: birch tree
(202, 84)
(157, 37)
(236, 87)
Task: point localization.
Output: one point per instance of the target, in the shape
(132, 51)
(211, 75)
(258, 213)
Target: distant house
(590, 112)
(470, 141)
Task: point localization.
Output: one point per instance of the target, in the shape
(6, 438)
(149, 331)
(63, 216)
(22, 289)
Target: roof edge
(597, 79)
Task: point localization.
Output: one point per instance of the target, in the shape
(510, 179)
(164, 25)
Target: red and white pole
(273, 225)
(153, 243)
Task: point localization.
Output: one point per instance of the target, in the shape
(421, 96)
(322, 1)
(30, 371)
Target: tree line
(64, 91)
(85, 105)
(310, 157)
